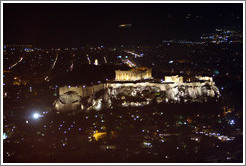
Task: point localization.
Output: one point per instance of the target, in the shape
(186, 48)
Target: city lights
(232, 122)
(123, 83)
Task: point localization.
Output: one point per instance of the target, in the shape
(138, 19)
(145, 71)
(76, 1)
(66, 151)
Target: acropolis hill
(137, 83)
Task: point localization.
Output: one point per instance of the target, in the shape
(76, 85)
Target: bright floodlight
(36, 115)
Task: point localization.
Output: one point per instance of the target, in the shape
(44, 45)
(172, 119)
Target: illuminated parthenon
(133, 74)
(146, 73)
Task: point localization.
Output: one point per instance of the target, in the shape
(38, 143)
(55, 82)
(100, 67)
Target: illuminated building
(133, 74)
(175, 79)
(205, 78)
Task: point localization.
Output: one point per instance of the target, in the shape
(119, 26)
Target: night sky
(61, 25)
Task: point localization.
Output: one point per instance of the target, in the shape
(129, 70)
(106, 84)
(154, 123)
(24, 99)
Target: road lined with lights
(133, 53)
(129, 63)
(16, 63)
(88, 58)
(53, 66)
(71, 67)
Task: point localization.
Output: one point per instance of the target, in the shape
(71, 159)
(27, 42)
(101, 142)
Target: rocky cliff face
(69, 101)
(125, 96)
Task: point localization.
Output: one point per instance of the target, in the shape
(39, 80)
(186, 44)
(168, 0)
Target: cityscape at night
(122, 83)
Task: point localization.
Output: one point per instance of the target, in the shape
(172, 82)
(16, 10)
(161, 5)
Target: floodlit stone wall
(83, 91)
(63, 90)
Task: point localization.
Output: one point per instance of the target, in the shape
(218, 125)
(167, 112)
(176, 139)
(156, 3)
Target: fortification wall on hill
(85, 91)
(173, 92)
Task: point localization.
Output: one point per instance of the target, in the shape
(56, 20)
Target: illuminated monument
(205, 78)
(133, 74)
(174, 89)
(175, 79)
